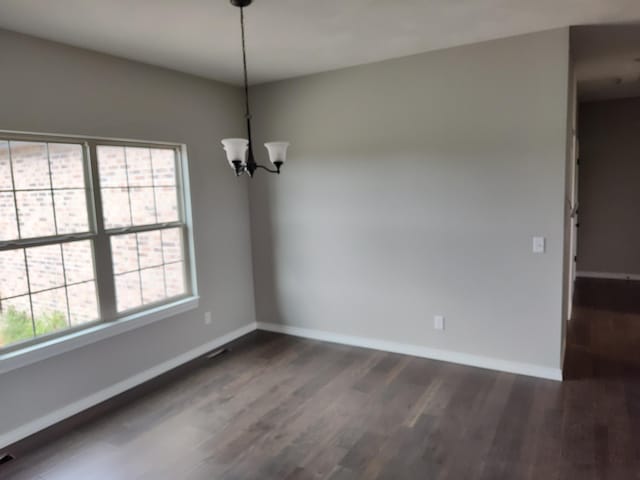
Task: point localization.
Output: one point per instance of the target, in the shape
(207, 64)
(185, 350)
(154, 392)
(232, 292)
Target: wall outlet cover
(538, 244)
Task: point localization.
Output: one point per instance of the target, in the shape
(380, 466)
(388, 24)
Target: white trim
(64, 136)
(611, 275)
(418, 351)
(56, 346)
(188, 218)
(76, 407)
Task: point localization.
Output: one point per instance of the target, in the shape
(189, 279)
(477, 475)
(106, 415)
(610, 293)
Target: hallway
(603, 338)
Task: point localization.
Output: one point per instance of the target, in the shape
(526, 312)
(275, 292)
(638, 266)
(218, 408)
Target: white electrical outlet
(207, 318)
(438, 322)
(538, 244)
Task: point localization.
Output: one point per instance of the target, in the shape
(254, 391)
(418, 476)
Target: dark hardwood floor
(278, 407)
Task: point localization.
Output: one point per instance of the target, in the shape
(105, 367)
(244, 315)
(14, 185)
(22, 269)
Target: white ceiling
(607, 61)
(288, 38)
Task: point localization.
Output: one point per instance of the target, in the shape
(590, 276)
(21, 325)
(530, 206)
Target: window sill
(42, 351)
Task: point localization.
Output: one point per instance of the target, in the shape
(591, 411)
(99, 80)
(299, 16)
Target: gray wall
(47, 87)
(609, 233)
(414, 188)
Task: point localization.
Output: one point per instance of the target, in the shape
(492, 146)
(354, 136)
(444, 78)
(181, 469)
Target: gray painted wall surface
(609, 233)
(48, 87)
(414, 188)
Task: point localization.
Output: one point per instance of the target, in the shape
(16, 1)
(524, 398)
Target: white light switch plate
(539, 244)
(438, 322)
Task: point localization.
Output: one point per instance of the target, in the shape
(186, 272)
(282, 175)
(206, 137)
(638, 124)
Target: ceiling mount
(241, 3)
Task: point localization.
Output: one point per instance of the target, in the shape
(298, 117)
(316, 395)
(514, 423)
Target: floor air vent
(5, 458)
(216, 353)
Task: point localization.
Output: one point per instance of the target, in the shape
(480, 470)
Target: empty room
(282, 240)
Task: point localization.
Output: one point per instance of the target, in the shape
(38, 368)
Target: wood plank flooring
(278, 407)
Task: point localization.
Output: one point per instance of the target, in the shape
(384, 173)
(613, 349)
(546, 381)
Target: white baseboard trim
(610, 275)
(74, 408)
(418, 351)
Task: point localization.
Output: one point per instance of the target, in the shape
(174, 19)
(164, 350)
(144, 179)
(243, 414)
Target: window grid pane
(78, 262)
(44, 265)
(49, 195)
(153, 284)
(147, 192)
(176, 282)
(116, 207)
(30, 165)
(164, 167)
(8, 217)
(70, 210)
(128, 294)
(112, 166)
(166, 199)
(35, 214)
(13, 281)
(66, 161)
(139, 172)
(6, 177)
(39, 287)
(50, 310)
(83, 303)
(150, 249)
(143, 211)
(152, 256)
(16, 322)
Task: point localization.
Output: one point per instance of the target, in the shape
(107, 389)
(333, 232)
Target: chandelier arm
(267, 169)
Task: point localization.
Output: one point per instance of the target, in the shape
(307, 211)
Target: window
(90, 231)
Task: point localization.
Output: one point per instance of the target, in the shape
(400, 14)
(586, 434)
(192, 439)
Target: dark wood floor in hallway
(278, 407)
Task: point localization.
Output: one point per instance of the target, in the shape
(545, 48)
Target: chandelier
(239, 150)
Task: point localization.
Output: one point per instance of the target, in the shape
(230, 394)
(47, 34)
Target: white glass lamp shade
(277, 151)
(236, 149)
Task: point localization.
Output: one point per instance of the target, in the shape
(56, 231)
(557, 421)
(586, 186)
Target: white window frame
(111, 322)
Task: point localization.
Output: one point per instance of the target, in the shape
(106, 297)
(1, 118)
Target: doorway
(603, 334)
